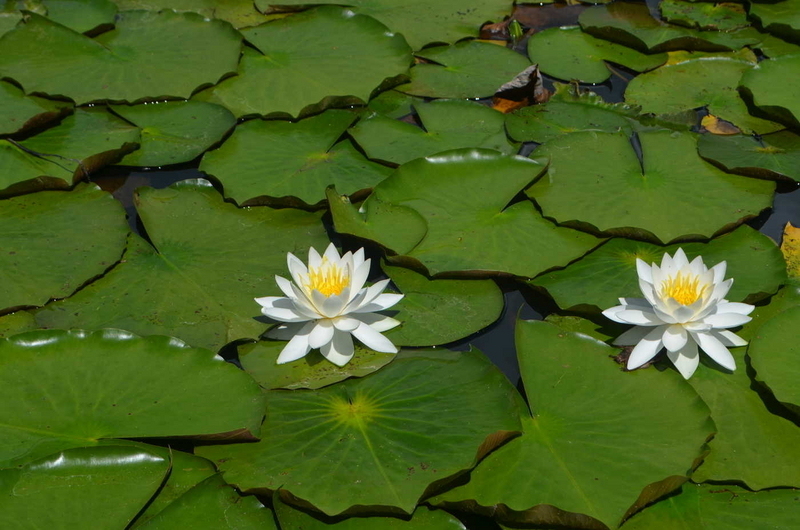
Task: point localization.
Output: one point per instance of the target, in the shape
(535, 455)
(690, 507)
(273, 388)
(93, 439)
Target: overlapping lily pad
(60, 156)
(173, 132)
(275, 159)
(597, 179)
(463, 197)
(131, 387)
(19, 112)
(568, 53)
(341, 60)
(769, 86)
(776, 356)
(81, 487)
(240, 13)
(773, 47)
(632, 24)
(781, 18)
(210, 260)
(726, 506)
(598, 279)
(587, 450)
(468, 69)
(723, 16)
(41, 233)
(447, 124)
(773, 156)
(214, 505)
(180, 52)
(702, 82)
(381, 440)
(82, 16)
(421, 22)
(568, 111)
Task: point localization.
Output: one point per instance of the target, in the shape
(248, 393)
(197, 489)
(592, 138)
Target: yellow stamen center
(329, 278)
(685, 289)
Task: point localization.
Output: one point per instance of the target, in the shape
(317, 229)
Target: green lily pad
(240, 13)
(568, 111)
(596, 179)
(773, 47)
(17, 322)
(424, 518)
(19, 112)
(600, 278)
(53, 242)
(703, 82)
(428, 308)
(468, 69)
(587, 450)
(180, 52)
(420, 22)
(775, 355)
(752, 445)
(280, 159)
(707, 506)
(210, 260)
(313, 371)
(213, 505)
(392, 104)
(701, 15)
(340, 61)
(86, 487)
(382, 439)
(463, 195)
(781, 18)
(106, 365)
(773, 156)
(82, 16)
(174, 131)
(568, 53)
(448, 124)
(62, 155)
(769, 86)
(632, 24)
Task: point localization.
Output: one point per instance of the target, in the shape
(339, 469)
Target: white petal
(356, 301)
(639, 317)
(358, 278)
(683, 313)
(696, 267)
(332, 254)
(696, 326)
(636, 303)
(297, 347)
(379, 322)
(384, 301)
(719, 271)
(715, 349)
(647, 348)
(346, 323)
(643, 270)
(729, 338)
(721, 289)
(267, 301)
(664, 316)
(321, 334)
(679, 260)
(358, 257)
(648, 292)
(726, 320)
(373, 339)
(296, 268)
(332, 305)
(735, 307)
(611, 313)
(314, 259)
(632, 336)
(282, 310)
(666, 265)
(302, 302)
(686, 359)
(285, 331)
(285, 286)
(340, 350)
(372, 292)
(675, 338)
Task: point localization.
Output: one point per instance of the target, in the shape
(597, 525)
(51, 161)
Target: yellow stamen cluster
(683, 288)
(329, 278)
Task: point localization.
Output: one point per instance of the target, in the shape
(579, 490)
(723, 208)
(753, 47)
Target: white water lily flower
(683, 307)
(328, 304)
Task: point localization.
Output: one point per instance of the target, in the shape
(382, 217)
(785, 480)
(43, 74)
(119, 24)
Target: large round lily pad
(62, 155)
(53, 242)
(174, 131)
(776, 356)
(588, 448)
(724, 16)
(703, 82)
(83, 16)
(568, 53)
(781, 18)
(463, 196)
(210, 260)
(601, 277)
(382, 439)
(180, 52)
(130, 387)
(341, 59)
(769, 86)
(770, 156)
(86, 487)
(277, 159)
(447, 124)
(672, 193)
(18, 111)
(468, 69)
(240, 13)
(420, 21)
